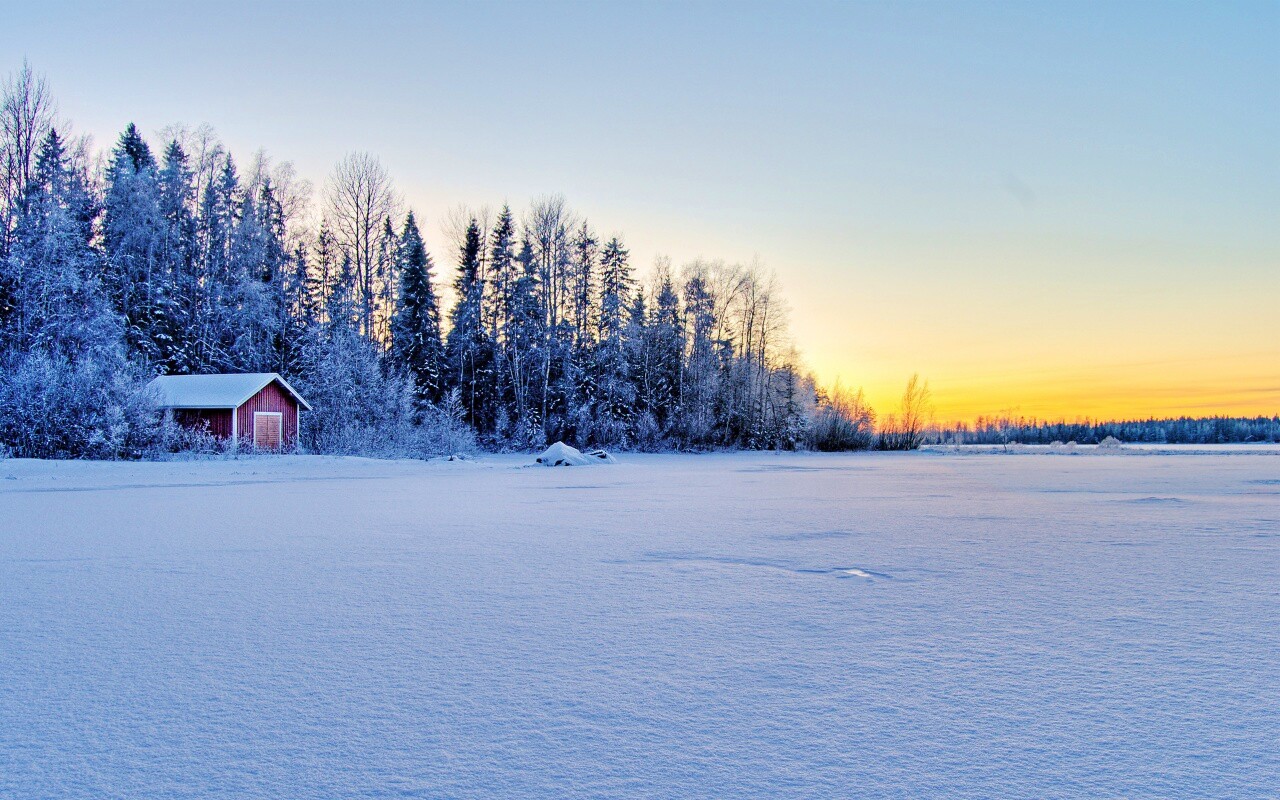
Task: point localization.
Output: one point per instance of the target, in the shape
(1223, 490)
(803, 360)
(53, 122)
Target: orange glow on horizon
(1242, 385)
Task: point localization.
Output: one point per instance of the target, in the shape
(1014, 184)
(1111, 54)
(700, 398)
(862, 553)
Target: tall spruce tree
(176, 352)
(415, 330)
(468, 349)
(665, 346)
(524, 351)
(137, 277)
(59, 305)
(615, 394)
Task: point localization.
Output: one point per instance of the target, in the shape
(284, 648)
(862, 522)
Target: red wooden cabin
(258, 409)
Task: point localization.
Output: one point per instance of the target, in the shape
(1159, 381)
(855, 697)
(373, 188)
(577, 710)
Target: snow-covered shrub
(441, 428)
(359, 409)
(843, 421)
(1110, 443)
(193, 440)
(94, 407)
(648, 434)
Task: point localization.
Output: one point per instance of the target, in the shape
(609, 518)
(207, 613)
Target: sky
(1053, 210)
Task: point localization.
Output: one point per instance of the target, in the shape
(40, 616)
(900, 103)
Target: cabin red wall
(271, 398)
(218, 419)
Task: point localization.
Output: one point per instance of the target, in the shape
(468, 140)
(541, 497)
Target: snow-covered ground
(749, 625)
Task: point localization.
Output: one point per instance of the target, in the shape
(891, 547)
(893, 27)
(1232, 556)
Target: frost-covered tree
(524, 337)
(697, 417)
(415, 330)
(66, 389)
(502, 272)
(176, 351)
(469, 351)
(257, 313)
(615, 393)
(26, 116)
(137, 277)
(361, 199)
(59, 305)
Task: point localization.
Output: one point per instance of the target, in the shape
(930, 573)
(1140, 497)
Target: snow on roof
(216, 391)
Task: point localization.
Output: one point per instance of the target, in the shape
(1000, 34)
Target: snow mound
(562, 455)
(601, 457)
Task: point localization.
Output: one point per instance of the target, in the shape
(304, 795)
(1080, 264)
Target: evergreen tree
(302, 313)
(582, 280)
(524, 353)
(218, 288)
(502, 271)
(665, 344)
(66, 390)
(254, 306)
(697, 417)
(58, 306)
(468, 349)
(133, 149)
(415, 330)
(138, 279)
(324, 272)
(615, 394)
(180, 306)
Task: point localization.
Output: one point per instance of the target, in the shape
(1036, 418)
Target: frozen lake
(749, 625)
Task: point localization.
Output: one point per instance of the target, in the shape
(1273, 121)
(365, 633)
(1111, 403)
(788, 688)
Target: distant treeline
(1179, 430)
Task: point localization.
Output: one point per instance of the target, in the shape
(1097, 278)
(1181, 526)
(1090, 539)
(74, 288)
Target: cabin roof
(217, 391)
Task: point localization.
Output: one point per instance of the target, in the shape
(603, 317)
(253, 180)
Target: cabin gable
(271, 398)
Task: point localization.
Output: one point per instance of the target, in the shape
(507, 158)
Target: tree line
(1006, 429)
(173, 258)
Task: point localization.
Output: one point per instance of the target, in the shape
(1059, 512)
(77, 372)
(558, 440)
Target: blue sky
(1031, 204)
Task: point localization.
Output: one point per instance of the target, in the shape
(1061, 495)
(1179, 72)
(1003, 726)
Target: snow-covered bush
(193, 440)
(648, 434)
(442, 429)
(94, 407)
(359, 409)
(1110, 443)
(843, 421)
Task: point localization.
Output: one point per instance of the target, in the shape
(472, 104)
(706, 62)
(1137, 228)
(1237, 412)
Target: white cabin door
(266, 430)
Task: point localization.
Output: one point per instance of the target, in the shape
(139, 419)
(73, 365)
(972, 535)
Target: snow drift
(562, 455)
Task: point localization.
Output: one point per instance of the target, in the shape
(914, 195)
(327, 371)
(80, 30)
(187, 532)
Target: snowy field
(754, 625)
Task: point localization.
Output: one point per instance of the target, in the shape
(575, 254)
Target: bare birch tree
(361, 198)
(27, 114)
